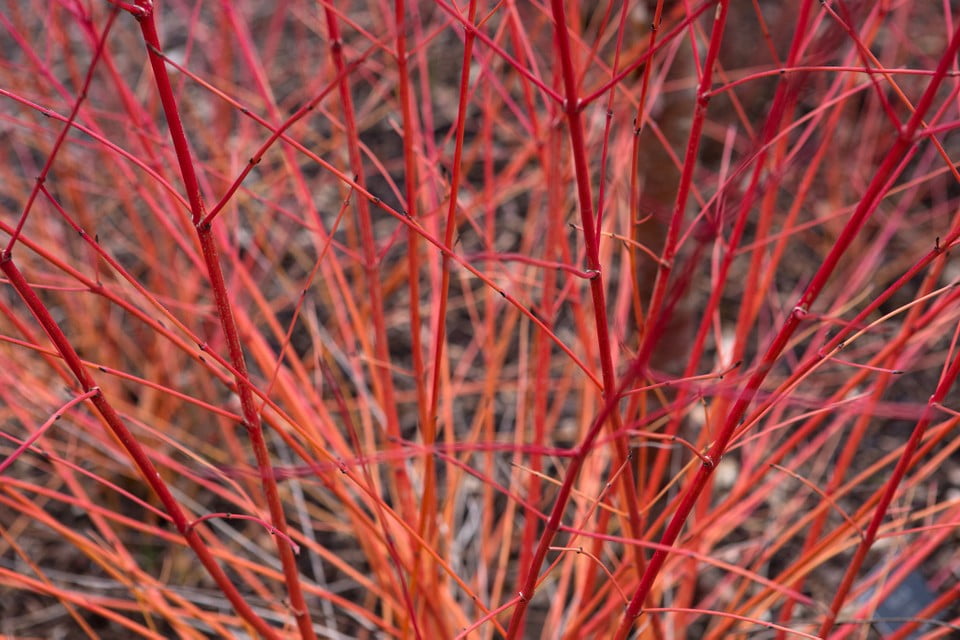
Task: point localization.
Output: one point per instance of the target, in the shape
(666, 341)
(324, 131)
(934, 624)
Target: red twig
(865, 208)
(225, 311)
(131, 445)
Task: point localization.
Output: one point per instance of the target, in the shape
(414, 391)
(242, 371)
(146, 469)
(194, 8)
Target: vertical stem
(410, 193)
(218, 286)
(402, 487)
(430, 428)
(572, 110)
(686, 177)
(413, 266)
